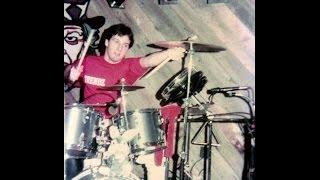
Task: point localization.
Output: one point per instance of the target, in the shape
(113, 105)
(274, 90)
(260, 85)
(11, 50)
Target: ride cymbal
(197, 47)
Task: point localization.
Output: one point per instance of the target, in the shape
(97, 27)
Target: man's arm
(158, 57)
(71, 75)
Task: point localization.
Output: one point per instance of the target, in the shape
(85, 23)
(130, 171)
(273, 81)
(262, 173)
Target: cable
(200, 172)
(195, 164)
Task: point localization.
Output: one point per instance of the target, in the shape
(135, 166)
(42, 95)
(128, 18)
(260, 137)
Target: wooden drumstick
(86, 46)
(157, 68)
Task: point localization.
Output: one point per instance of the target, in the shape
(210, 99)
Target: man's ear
(106, 43)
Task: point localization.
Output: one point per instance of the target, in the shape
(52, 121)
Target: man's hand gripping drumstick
(76, 71)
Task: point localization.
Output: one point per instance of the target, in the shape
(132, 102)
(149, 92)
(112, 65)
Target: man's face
(73, 41)
(117, 48)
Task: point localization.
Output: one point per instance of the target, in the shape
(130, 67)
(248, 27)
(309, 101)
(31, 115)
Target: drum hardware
(194, 112)
(123, 100)
(234, 92)
(248, 124)
(124, 88)
(184, 164)
(207, 125)
(235, 117)
(167, 94)
(208, 119)
(200, 109)
(248, 131)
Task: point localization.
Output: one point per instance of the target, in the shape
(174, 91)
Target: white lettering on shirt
(94, 80)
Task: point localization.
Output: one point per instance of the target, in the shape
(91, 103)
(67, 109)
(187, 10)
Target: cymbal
(197, 47)
(118, 87)
(84, 105)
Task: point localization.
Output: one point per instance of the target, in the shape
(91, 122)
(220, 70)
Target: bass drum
(103, 173)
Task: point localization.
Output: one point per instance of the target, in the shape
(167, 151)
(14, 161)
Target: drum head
(96, 174)
(175, 89)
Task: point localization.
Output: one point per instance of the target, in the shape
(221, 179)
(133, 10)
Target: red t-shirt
(99, 73)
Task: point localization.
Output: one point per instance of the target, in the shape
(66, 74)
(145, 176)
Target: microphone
(225, 89)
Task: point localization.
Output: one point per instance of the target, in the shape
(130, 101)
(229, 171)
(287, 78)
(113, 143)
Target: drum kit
(87, 137)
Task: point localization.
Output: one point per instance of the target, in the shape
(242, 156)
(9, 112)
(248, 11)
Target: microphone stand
(249, 172)
(184, 154)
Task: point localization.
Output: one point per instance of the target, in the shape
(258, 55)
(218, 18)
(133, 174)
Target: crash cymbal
(197, 47)
(118, 87)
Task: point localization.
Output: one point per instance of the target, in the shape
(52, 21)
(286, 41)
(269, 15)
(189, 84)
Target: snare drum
(148, 122)
(80, 125)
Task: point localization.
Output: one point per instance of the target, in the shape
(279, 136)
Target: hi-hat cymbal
(85, 105)
(197, 47)
(118, 87)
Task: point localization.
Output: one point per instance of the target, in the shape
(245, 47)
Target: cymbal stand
(124, 105)
(123, 100)
(184, 154)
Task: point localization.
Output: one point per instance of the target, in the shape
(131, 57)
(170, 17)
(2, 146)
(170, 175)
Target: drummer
(111, 66)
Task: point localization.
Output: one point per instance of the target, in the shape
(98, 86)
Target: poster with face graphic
(76, 30)
(73, 42)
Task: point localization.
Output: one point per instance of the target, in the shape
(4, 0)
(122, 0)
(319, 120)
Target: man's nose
(119, 48)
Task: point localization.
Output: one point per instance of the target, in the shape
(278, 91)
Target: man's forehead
(123, 37)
